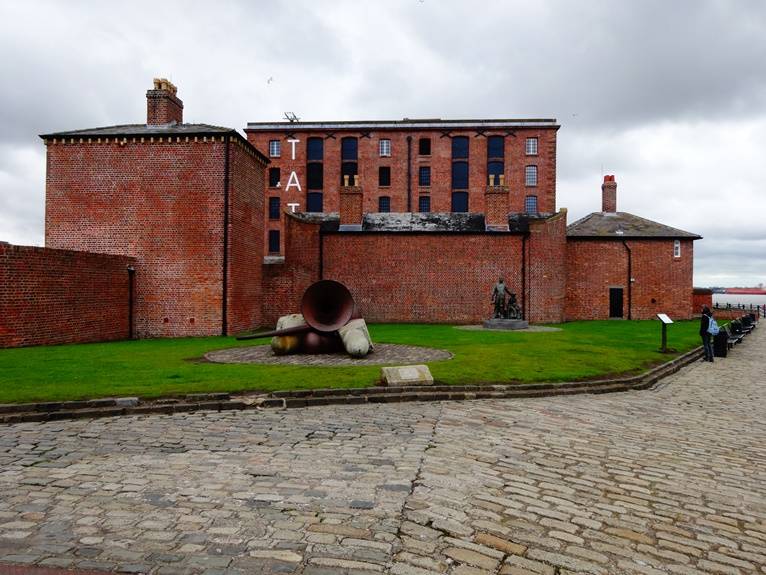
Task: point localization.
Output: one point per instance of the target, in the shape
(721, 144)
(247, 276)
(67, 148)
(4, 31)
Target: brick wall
(546, 282)
(440, 162)
(398, 277)
(245, 239)
(284, 281)
(161, 202)
(662, 283)
(52, 296)
(700, 297)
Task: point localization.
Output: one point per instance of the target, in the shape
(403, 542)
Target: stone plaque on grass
(407, 375)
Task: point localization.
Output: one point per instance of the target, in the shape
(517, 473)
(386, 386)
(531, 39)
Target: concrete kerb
(110, 407)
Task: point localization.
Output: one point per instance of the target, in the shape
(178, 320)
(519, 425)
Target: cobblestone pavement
(385, 353)
(671, 480)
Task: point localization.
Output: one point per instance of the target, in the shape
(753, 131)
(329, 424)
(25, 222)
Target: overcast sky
(668, 95)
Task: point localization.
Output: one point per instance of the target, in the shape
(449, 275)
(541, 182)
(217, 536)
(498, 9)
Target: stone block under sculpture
(285, 344)
(356, 338)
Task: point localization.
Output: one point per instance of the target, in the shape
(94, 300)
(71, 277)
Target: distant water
(721, 299)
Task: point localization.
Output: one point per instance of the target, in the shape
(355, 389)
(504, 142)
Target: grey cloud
(621, 77)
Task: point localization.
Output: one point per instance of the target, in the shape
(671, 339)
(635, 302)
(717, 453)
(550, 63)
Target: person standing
(707, 340)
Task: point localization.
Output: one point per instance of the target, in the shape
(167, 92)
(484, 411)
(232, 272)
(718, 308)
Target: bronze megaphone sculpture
(326, 306)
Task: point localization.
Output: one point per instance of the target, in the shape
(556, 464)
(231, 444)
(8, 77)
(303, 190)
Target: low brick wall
(50, 296)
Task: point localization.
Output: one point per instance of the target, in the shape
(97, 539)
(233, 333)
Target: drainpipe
(524, 305)
(225, 271)
(409, 173)
(131, 282)
(630, 277)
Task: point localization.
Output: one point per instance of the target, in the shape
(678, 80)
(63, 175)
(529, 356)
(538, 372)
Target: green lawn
(164, 367)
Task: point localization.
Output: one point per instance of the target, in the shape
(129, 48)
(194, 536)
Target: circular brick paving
(385, 353)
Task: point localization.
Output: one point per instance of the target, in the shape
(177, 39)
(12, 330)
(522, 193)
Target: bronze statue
(498, 298)
(512, 310)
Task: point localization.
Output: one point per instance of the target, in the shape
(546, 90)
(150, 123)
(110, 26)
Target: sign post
(665, 322)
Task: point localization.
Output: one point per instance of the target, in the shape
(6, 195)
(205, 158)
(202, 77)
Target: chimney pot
(162, 104)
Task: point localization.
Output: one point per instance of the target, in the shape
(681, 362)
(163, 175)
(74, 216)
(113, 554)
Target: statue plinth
(501, 323)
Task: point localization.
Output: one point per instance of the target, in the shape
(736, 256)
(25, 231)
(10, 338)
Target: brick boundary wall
(428, 277)
(50, 296)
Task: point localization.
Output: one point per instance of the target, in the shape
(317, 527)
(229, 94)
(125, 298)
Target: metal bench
(732, 337)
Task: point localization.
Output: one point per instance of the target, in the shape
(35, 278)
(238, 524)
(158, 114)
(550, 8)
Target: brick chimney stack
(162, 105)
(609, 195)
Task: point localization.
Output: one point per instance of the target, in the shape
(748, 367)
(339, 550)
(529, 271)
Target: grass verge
(166, 367)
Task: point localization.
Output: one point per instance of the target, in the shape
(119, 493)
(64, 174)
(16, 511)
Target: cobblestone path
(671, 480)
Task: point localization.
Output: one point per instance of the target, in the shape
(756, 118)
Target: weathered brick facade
(658, 282)
(58, 296)
(405, 162)
(184, 200)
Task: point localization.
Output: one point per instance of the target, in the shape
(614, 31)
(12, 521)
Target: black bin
(720, 344)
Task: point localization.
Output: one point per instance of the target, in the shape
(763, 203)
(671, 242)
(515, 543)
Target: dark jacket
(704, 323)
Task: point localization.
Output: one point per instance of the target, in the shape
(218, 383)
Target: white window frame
(275, 149)
(384, 148)
(530, 176)
(676, 248)
(531, 147)
(526, 204)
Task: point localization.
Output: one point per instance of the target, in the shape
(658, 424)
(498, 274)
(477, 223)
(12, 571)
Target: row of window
(315, 175)
(349, 147)
(459, 204)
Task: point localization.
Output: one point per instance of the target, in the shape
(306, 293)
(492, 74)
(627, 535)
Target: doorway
(615, 302)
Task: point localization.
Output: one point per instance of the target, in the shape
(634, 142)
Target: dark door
(615, 302)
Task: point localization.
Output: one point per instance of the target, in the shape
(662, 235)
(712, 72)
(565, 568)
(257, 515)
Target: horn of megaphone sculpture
(327, 307)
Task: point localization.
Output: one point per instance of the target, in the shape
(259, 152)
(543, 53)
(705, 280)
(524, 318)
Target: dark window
(494, 170)
(273, 177)
(315, 149)
(459, 201)
(424, 146)
(274, 208)
(459, 176)
(530, 204)
(459, 147)
(348, 149)
(315, 176)
(384, 204)
(424, 176)
(384, 176)
(314, 202)
(495, 145)
(274, 241)
(424, 204)
(348, 169)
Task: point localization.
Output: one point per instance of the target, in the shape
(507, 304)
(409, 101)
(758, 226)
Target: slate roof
(404, 124)
(143, 130)
(622, 225)
(450, 222)
(149, 130)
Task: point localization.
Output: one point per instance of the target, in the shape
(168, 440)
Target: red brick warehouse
(406, 166)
